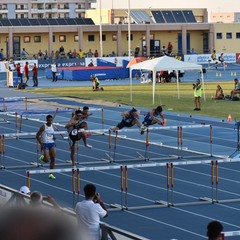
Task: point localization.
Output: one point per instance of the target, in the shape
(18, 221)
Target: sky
(211, 5)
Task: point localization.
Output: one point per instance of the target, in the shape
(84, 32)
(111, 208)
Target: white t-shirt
(88, 215)
(54, 68)
(48, 134)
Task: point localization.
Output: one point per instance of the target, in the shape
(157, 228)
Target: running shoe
(88, 146)
(41, 158)
(143, 129)
(51, 176)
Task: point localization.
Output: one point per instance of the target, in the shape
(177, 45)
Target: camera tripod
(236, 153)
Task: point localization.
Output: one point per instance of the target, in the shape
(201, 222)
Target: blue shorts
(49, 146)
(147, 122)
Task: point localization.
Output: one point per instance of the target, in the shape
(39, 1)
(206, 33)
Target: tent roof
(166, 63)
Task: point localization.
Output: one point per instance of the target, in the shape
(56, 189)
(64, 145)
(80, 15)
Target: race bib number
(74, 132)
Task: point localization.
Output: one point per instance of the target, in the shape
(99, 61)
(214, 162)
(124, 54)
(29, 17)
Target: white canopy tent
(165, 63)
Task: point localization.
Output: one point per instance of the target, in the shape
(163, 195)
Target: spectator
(137, 50)
(89, 54)
(236, 89)
(169, 48)
(61, 50)
(219, 93)
(193, 51)
(81, 53)
(35, 75)
(1, 55)
(36, 200)
(74, 53)
(69, 54)
(54, 72)
(96, 53)
(197, 87)
(89, 212)
(214, 229)
(25, 190)
(24, 53)
(46, 139)
(26, 73)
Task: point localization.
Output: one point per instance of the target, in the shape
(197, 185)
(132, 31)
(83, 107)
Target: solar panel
(34, 22)
(15, 22)
(158, 17)
(178, 15)
(6, 22)
(79, 21)
(88, 21)
(43, 22)
(70, 21)
(61, 21)
(168, 16)
(189, 16)
(24, 22)
(140, 16)
(52, 21)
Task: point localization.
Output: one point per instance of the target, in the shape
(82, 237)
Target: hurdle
(179, 146)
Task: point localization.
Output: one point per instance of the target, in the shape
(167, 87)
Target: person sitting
(219, 93)
(236, 89)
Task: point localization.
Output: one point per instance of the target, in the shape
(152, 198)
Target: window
(37, 39)
(104, 38)
(91, 38)
(26, 39)
(238, 35)
(228, 35)
(219, 35)
(131, 37)
(114, 37)
(53, 38)
(62, 38)
(76, 38)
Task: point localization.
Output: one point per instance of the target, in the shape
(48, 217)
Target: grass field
(165, 94)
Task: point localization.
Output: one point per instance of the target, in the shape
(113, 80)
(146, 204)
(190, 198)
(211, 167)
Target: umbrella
(136, 60)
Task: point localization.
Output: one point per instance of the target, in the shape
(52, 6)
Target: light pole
(100, 30)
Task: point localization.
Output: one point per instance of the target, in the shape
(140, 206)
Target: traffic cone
(231, 73)
(235, 74)
(229, 118)
(216, 74)
(220, 74)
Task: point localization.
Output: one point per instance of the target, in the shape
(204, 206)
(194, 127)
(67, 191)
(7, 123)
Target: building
(44, 8)
(150, 29)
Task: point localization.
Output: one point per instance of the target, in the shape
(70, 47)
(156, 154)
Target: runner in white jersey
(45, 137)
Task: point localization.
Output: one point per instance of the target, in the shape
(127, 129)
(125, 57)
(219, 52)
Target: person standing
(26, 73)
(197, 87)
(54, 72)
(89, 212)
(35, 75)
(45, 137)
(19, 72)
(75, 134)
